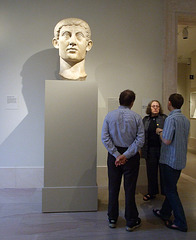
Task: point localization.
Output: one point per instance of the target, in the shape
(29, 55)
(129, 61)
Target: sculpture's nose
(72, 40)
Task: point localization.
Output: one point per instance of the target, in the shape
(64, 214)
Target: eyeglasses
(155, 106)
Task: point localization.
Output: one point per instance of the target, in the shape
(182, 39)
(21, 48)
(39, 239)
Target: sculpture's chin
(72, 78)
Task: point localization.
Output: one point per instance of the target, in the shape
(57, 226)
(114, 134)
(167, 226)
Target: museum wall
(184, 86)
(127, 54)
(193, 89)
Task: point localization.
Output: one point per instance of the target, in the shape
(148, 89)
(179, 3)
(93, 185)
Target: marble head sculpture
(72, 36)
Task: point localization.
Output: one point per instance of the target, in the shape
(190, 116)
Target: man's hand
(120, 160)
(158, 130)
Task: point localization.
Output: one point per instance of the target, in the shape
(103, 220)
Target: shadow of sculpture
(26, 143)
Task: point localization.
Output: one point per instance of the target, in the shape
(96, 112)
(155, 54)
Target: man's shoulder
(177, 117)
(112, 113)
(186, 120)
(136, 115)
(122, 111)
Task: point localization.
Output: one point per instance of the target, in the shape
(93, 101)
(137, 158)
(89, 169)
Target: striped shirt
(176, 129)
(123, 128)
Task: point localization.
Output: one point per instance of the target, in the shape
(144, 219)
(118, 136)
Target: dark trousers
(152, 167)
(172, 201)
(130, 172)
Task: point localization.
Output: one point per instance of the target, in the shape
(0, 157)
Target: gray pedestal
(70, 146)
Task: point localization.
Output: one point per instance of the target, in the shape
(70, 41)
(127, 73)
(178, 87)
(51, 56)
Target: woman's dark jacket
(146, 121)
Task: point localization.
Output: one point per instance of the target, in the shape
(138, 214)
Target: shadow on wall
(38, 68)
(26, 143)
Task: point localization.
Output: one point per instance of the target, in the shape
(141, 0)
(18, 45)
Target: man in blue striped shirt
(123, 136)
(174, 138)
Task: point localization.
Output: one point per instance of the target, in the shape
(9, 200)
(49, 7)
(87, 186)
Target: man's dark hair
(176, 100)
(126, 97)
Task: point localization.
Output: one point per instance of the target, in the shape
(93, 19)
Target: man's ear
(89, 45)
(55, 42)
(169, 105)
(131, 105)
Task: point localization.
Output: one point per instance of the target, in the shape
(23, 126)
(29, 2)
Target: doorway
(186, 81)
(186, 70)
(186, 62)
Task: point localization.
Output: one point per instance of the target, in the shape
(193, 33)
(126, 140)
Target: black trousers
(130, 172)
(152, 167)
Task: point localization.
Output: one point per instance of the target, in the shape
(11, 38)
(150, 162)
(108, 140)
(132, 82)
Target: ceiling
(186, 46)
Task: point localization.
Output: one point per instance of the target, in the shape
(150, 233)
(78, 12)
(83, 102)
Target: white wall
(127, 53)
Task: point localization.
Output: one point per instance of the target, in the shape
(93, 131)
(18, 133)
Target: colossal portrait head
(72, 36)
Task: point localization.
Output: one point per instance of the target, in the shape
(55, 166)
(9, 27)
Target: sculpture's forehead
(73, 28)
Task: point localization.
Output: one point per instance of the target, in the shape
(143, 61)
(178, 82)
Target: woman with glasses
(151, 149)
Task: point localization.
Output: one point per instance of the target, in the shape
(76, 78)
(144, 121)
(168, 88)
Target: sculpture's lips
(71, 49)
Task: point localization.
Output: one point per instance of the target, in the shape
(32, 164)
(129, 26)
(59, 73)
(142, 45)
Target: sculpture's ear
(89, 45)
(55, 42)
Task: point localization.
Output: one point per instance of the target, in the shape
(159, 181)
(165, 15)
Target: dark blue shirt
(123, 128)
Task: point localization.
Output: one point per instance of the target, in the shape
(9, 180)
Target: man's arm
(168, 132)
(107, 141)
(159, 132)
(138, 142)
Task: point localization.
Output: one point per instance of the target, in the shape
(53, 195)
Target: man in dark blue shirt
(123, 136)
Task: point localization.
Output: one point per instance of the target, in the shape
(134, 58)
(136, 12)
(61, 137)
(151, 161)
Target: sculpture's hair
(71, 22)
(127, 97)
(148, 109)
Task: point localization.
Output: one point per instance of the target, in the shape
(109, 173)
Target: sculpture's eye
(79, 35)
(66, 34)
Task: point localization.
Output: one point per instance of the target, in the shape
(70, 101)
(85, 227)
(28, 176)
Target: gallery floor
(21, 218)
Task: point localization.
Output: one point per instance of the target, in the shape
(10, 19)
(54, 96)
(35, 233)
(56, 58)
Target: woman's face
(155, 108)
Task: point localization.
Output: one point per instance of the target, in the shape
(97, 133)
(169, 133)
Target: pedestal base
(70, 146)
(69, 199)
